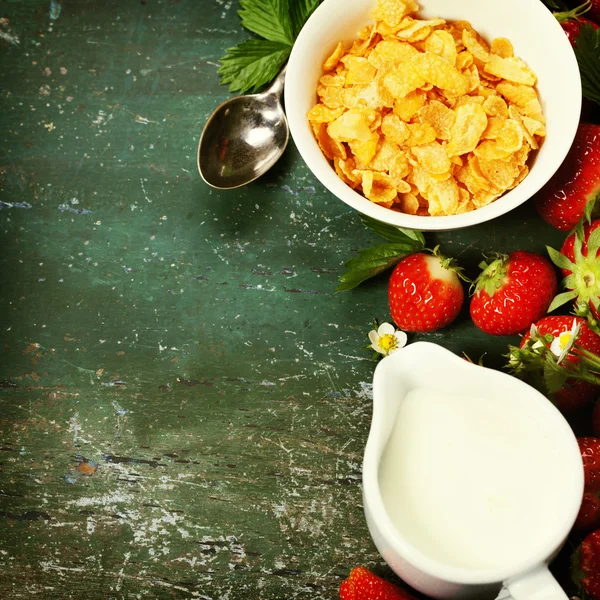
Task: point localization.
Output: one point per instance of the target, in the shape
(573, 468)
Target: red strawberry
(585, 567)
(364, 585)
(512, 292)
(581, 269)
(590, 454)
(575, 394)
(425, 292)
(588, 518)
(573, 190)
(572, 27)
(589, 513)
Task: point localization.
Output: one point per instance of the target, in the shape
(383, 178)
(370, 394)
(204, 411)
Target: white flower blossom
(562, 343)
(386, 339)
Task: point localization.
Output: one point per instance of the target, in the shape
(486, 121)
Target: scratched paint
(184, 399)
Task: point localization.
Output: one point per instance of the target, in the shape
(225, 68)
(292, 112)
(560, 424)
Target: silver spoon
(243, 138)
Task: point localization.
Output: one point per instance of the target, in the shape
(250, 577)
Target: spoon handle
(276, 87)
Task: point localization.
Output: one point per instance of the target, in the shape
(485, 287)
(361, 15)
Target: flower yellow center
(387, 342)
(564, 339)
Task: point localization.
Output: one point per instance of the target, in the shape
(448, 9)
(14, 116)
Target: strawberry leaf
(372, 261)
(268, 18)
(588, 211)
(554, 375)
(593, 243)
(252, 64)
(300, 10)
(559, 259)
(587, 52)
(393, 233)
(561, 299)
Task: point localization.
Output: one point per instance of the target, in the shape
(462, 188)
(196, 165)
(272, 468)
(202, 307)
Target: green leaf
(587, 51)
(252, 64)
(269, 19)
(578, 245)
(561, 299)
(300, 10)
(393, 233)
(588, 211)
(593, 243)
(554, 375)
(371, 262)
(560, 260)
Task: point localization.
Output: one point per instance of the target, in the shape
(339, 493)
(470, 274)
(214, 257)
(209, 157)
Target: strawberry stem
(536, 360)
(492, 276)
(575, 13)
(588, 358)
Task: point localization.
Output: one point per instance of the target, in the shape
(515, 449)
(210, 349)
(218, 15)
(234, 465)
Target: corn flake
(364, 152)
(330, 96)
(433, 158)
(500, 173)
(495, 106)
(332, 62)
(391, 52)
(391, 12)
(409, 203)
(401, 82)
(406, 108)
(419, 134)
(323, 114)
(385, 155)
(464, 60)
(443, 197)
(393, 128)
(475, 44)
(512, 69)
(345, 170)
(439, 116)
(367, 38)
(415, 30)
(331, 148)
(438, 72)
(502, 47)
(360, 70)
(467, 130)
(378, 187)
(400, 169)
(352, 125)
(442, 43)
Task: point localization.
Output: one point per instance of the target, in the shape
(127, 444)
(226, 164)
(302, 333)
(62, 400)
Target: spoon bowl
(243, 138)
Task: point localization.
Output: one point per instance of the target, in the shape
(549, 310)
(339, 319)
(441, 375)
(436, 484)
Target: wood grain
(184, 400)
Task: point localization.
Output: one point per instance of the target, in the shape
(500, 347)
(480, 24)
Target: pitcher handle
(538, 584)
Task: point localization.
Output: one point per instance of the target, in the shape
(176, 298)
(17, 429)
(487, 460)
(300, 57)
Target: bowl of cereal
(433, 116)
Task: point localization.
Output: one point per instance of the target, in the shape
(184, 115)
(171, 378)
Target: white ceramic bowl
(537, 38)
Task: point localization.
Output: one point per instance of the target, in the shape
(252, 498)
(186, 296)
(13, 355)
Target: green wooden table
(184, 400)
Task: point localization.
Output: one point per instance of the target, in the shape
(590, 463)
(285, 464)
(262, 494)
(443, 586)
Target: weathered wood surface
(184, 401)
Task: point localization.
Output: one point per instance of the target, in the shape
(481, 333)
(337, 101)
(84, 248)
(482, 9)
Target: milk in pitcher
(470, 481)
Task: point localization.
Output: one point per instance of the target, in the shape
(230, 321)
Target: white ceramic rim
(320, 167)
(438, 569)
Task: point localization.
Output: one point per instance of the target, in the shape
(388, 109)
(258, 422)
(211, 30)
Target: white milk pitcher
(472, 479)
